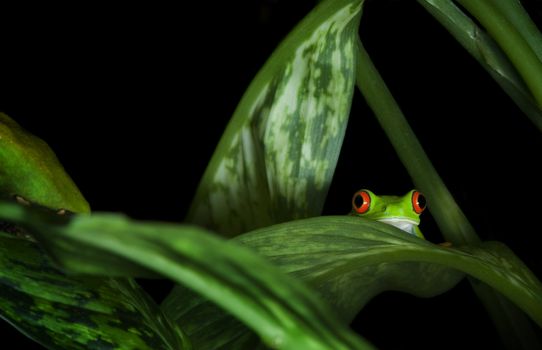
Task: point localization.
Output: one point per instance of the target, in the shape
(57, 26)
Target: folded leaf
(277, 156)
(30, 169)
(66, 312)
(348, 260)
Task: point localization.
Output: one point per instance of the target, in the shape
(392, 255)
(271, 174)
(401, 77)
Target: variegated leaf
(66, 312)
(277, 156)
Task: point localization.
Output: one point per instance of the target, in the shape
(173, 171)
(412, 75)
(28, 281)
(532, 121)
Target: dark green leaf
(280, 309)
(66, 312)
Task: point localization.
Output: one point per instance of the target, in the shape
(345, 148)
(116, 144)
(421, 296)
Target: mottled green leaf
(279, 308)
(348, 260)
(66, 312)
(277, 156)
(30, 169)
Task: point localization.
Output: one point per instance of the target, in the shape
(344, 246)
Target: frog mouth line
(404, 224)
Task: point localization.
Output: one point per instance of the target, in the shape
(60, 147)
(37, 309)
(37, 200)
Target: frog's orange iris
(361, 202)
(418, 202)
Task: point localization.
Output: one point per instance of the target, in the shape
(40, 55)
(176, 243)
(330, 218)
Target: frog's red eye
(418, 202)
(361, 202)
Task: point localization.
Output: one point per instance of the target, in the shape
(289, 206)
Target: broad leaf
(30, 169)
(66, 312)
(279, 308)
(277, 156)
(348, 260)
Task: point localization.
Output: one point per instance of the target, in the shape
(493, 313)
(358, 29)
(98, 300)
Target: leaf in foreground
(348, 260)
(66, 312)
(279, 308)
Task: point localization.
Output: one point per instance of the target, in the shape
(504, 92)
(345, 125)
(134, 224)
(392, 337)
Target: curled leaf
(348, 260)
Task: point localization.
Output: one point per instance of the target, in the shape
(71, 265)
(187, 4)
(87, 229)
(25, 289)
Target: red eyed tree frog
(401, 212)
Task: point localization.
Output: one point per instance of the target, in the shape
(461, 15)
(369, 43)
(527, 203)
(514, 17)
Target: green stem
(484, 49)
(515, 329)
(451, 220)
(516, 14)
(509, 38)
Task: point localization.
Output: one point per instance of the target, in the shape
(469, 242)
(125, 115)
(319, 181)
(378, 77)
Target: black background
(134, 99)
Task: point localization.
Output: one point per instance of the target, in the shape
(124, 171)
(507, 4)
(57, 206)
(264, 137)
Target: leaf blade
(277, 156)
(66, 312)
(349, 260)
(284, 312)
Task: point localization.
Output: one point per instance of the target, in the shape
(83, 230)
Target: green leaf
(508, 24)
(277, 156)
(348, 260)
(66, 312)
(484, 49)
(30, 169)
(514, 13)
(279, 308)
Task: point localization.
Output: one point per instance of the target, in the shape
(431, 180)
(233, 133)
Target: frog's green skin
(31, 173)
(402, 212)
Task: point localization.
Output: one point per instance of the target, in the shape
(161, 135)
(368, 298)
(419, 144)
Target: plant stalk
(486, 51)
(453, 223)
(449, 217)
(512, 42)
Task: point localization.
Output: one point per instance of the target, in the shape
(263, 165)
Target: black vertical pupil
(358, 201)
(421, 201)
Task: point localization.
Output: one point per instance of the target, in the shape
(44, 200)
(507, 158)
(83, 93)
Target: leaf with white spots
(277, 156)
(349, 260)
